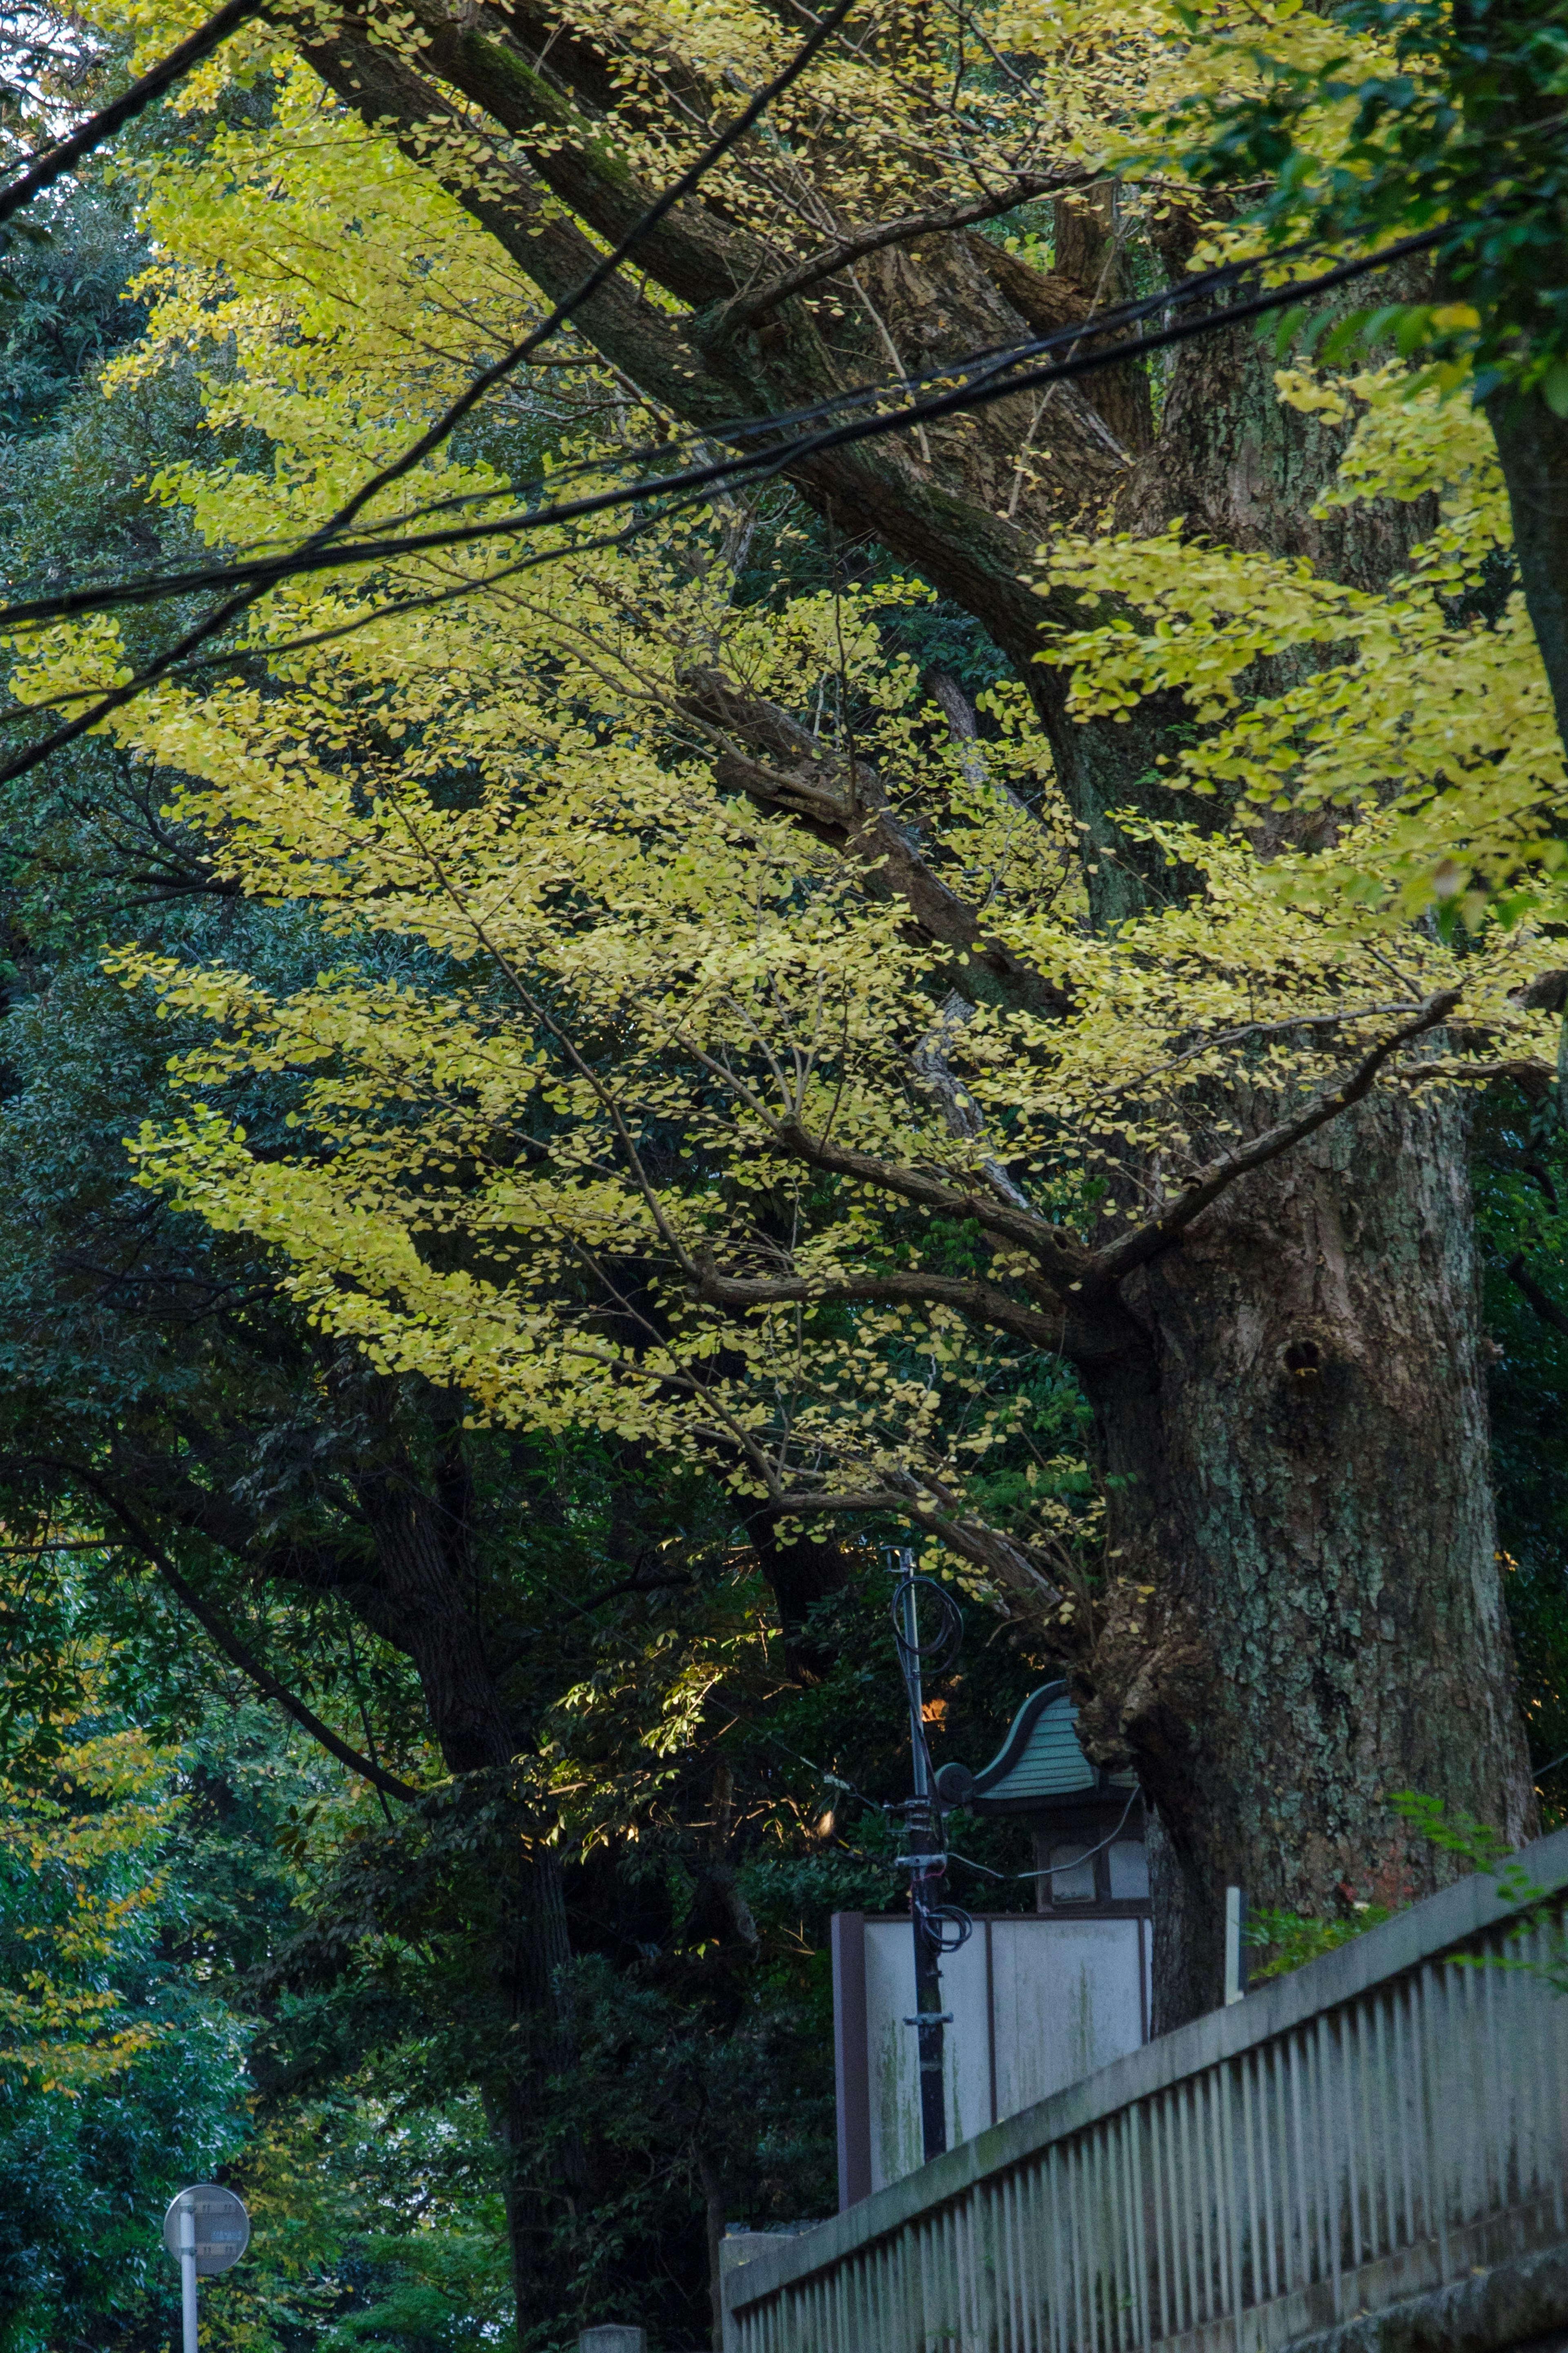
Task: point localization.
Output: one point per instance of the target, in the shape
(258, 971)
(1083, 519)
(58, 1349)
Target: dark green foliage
(63, 306)
(1522, 1190)
(1463, 129)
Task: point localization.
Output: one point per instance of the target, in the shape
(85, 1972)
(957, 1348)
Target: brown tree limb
(744, 310)
(1086, 1281)
(1136, 1248)
(1069, 1268)
(988, 1548)
(1534, 1076)
(844, 802)
(978, 1302)
(1547, 992)
(1542, 1302)
(691, 251)
(515, 207)
(949, 529)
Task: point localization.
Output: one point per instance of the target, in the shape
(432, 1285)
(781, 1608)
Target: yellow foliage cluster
(89, 1850)
(1425, 743)
(530, 1122)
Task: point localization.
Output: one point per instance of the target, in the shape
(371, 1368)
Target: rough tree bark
(1310, 1614)
(1323, 1619)
(1533, 446)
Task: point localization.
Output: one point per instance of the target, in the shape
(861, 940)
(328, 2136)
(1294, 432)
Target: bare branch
(746, 309)
(1136, 1248)
(979, 1303)
(267, 1682)
(1544, 1305)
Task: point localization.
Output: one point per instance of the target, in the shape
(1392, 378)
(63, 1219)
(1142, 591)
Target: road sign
(223, 2226)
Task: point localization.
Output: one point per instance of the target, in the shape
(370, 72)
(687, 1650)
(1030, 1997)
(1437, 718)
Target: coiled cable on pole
(937, 1655)
(939, 1928)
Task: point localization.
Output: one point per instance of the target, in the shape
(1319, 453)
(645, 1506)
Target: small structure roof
(1040, 1763)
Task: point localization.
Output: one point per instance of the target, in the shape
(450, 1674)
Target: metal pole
(1234, 1944)
(925, 1887)
(188, 2279)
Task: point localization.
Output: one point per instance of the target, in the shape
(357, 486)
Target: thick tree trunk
(428, 1594)
(1313, 1614)
(1532, 445)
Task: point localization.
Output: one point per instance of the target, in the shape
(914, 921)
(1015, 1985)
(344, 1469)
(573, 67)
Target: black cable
(939, 1653)
(998, 382)
(454, 414)
(762, 465)
(991, 361)
(609, 540)
(47, 168)
(950, 1855)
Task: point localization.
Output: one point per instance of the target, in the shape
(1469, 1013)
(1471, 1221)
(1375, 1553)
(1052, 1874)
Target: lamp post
(187, 2276)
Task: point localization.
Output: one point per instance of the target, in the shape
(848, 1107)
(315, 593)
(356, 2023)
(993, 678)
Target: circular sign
(223, 2226)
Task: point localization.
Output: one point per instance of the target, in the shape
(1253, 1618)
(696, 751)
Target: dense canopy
(574, 1073)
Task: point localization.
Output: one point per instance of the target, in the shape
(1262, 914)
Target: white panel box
(1036, 2002)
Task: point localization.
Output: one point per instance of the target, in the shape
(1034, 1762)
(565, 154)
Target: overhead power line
(47, 167)
(445, 424)
(991, 376)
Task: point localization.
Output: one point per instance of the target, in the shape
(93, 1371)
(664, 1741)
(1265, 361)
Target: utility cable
(47, 167)
(454, 414)
(1056, 1870)
(996, 380)
(950, 1855)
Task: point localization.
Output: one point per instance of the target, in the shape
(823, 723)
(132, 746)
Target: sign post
(208, 2229)
(187, 2277)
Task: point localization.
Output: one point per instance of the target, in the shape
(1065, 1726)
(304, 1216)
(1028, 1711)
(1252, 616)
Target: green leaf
(1554, 387)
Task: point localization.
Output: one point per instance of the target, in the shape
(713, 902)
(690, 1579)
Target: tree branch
(266, 1681)
(45, 169)
(477, 51)
(847, 802)
(744, 310)
(1544, 1305)
(988, 1548)
(981, 1302)
(378, 85)
(1148, 1241)
(230, 1644)
(1071, 1272)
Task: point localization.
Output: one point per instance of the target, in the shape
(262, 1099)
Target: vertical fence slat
(1423, 2112)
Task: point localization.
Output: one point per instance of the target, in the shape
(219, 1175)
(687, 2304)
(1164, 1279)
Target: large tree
(1301, 1605)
